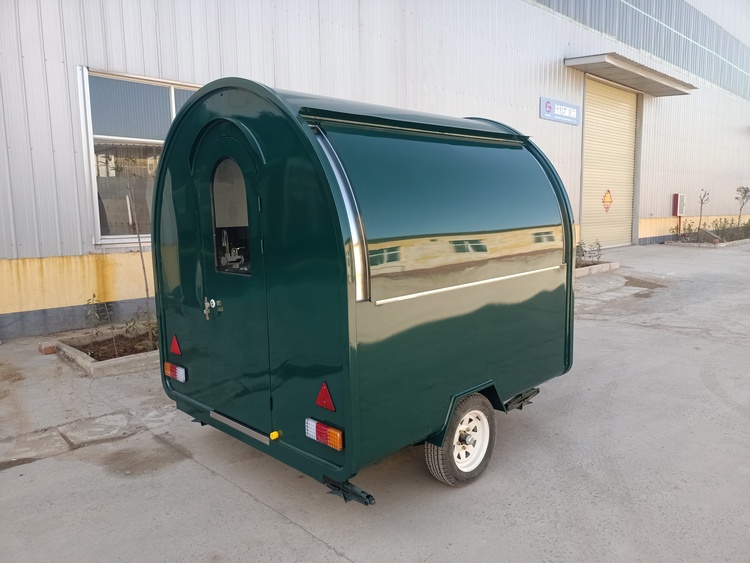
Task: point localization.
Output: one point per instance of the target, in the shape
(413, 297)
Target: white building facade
(632, 100)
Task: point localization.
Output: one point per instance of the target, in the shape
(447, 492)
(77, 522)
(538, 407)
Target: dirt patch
(645, 284)
(134, 462)
(122, 346)
(4, 394)
(9, 374)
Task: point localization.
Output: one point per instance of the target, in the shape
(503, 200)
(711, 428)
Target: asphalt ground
(640, 453)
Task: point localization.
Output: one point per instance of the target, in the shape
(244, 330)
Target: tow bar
(348, 492)
(521, 399)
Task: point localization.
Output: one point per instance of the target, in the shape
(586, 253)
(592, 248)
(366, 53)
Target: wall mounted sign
(607, 200)
(555, 110)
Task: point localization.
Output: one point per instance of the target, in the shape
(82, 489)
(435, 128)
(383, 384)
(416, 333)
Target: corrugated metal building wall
(454, 59)
(484, 58)
(687, 143)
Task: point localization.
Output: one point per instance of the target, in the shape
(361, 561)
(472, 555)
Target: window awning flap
(618, 69)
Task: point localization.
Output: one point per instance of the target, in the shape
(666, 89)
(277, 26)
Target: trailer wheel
(468, 443)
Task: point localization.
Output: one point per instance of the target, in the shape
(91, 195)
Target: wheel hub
(471, 440)
(467, 439)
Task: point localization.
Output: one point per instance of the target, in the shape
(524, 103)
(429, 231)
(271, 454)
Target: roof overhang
(618, 69)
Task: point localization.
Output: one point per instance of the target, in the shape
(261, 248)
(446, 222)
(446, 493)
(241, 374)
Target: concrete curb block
(707, 244)
(596, 269)
(126, 364)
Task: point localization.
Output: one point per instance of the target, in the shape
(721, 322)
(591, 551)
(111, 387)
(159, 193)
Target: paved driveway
(640, 453)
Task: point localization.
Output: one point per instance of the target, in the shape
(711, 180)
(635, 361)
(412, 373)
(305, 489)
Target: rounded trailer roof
(314, 108)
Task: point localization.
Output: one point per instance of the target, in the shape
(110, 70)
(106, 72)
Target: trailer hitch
(521, 399)
(348, 492)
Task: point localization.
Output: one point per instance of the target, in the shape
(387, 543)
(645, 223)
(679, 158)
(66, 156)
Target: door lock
(211, 304)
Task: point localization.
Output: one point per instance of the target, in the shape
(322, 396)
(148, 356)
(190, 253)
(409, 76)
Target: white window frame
(89, 140)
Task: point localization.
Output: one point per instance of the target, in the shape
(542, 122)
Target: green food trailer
(338, 280)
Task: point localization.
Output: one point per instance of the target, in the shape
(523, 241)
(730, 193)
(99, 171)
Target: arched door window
(231, 226)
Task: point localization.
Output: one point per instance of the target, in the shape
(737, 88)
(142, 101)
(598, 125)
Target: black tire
(456, 462)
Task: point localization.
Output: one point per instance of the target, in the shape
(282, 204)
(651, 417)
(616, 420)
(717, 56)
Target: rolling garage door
(608, 165)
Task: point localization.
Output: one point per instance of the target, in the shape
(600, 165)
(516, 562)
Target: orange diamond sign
(607, 200)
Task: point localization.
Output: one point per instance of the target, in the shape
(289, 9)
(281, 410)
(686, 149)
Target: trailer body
(330, 271)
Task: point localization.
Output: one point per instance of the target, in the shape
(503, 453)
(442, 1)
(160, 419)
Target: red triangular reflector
(324, 398)
(175, 347)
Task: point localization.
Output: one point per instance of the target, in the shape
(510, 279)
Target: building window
(544, 236)
(125, 185)
(468, 246)
(129, 121)
(380, 256)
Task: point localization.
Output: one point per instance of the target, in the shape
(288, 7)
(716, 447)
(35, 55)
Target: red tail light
(331, 437)
(175, 372)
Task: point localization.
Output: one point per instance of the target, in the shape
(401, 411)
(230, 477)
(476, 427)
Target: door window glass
(231, 226)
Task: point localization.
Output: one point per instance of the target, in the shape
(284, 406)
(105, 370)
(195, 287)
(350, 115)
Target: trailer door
(233, 315)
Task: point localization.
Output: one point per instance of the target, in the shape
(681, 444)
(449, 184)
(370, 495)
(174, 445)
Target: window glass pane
(180, 97)
(122, 108)
(231, 234)
(125, 186)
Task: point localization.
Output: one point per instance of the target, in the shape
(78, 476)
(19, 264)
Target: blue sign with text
(555, 110)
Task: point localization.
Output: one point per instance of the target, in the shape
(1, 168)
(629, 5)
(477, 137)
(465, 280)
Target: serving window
(231, 225)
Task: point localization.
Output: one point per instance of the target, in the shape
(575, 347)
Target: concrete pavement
(640, 453)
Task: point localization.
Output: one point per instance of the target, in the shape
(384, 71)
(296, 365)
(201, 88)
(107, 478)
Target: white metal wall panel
(186, 60)
(213, 55)
(608, 165)
(379, 57)
(282, 72)
(338, 59)
(8, 37)
(264, 29)
(732, 15)
(227, 39)
(700, 142)
(93, 15)
(193, 60)
(43, 174)
(71, 22)
(113, 24)
(166, 38)
(7, 209)
(150, 36)
(250, 44)
(20, 164)
(58, 139)
(132, 39)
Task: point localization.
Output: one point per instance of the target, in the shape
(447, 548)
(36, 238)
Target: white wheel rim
(474, 428)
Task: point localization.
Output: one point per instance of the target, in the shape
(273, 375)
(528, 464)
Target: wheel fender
(487, 389)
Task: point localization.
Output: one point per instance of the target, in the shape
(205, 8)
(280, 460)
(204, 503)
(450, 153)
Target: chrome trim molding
(144, 79)
(87, 131)
(478, 136)
(465, 285)
(356, 228)
(240, 428)
(127, 140)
